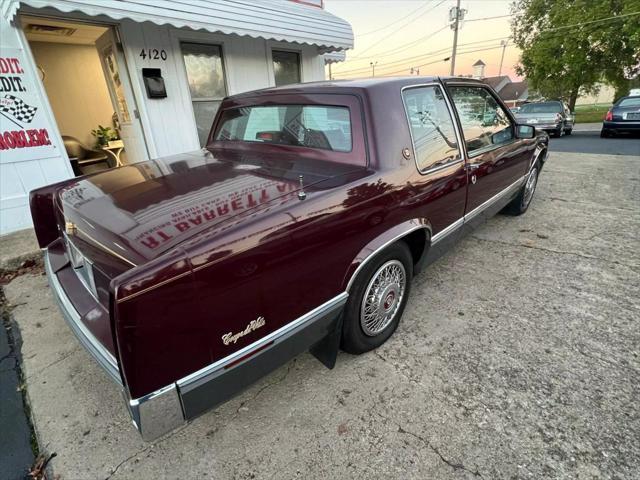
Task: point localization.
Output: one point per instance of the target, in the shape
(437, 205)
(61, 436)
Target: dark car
(299, 227)
(622, 117)
(552, 116)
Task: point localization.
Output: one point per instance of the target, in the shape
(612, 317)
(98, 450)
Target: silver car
(552, 116)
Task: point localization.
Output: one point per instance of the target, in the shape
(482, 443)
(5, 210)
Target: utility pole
(456, 14)
(330, 74)
(373, 68)
(504, 47)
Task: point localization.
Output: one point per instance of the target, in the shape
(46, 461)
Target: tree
(568, 48)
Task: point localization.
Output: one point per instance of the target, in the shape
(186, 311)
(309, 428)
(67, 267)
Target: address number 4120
(153, 54)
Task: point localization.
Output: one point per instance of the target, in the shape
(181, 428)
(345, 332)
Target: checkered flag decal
(19, 110)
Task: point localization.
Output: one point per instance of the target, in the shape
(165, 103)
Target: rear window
(311, 126)
(630, 102)
(551, 107)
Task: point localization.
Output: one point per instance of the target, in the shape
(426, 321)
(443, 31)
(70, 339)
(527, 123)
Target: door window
(484, 123)
(286, 67)
(434, 138)
(205, 73)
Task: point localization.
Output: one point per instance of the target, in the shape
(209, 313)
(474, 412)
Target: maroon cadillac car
(299, 227)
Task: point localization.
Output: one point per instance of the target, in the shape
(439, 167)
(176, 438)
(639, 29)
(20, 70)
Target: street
(517, 357)
(586, 139)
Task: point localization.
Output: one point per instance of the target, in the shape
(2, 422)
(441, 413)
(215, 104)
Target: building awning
(280, 20)
(334, 57)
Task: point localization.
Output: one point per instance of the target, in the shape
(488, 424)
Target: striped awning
(280, 20)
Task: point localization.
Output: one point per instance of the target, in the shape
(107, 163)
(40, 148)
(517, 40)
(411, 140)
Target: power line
(399, 48)
(443, 60)
(486, 18)
(404, 25)
(615, 17)
(426, 55)
(393, 23)
(400, 51)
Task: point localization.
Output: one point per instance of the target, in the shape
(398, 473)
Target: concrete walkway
(17, 248)
(517, 357)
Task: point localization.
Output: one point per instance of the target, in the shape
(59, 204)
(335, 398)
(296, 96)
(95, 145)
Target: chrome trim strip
(514, 186)
(452, 116)
(458, 223)
(381, 247)
(103, 356)
(195, 377)
(429, 171)
(446, 231)
(105, 248)
(154, 286)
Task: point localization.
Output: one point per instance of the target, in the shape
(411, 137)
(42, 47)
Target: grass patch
(591, 113)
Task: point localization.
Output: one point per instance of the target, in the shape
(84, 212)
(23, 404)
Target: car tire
(569, 131)
(559, 131)
(377, 300)
(604, 133)
(521, 203)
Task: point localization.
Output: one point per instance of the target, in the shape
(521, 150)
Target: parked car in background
(299, 227)
(622, 117)
(551, 116)
(514, 110)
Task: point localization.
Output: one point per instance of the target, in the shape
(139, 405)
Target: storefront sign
(24, 128)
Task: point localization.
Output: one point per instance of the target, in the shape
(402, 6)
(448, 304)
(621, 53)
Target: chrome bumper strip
(194, 379)
(103, 356)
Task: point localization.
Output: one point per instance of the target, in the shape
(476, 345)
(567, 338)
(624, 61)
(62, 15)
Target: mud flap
(326, 350)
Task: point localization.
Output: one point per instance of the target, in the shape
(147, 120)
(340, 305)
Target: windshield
(312, 126)
(548, 107)
(630, 102)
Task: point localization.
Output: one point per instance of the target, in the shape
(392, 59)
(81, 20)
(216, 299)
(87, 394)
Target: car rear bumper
(624, 126)
(73, 318)
(173, 405)
(168, 408)
(548, 127)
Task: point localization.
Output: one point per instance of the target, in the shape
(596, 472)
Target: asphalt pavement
(586, 139)
(518, 357)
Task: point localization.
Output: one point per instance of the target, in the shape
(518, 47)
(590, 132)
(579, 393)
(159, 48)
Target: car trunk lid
(138, 212)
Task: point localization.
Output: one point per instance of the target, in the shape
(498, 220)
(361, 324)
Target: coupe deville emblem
(229, 338)
(70, 228)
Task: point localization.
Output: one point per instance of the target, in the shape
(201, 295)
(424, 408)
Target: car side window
(434, 138)
(484, 122)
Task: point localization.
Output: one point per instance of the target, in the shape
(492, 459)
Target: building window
(205, 73)
(286, 67)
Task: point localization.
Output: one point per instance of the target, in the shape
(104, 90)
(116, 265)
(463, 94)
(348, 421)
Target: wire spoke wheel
(383, 297)
(530, 187)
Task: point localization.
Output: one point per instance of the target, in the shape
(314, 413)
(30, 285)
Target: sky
(400, 34)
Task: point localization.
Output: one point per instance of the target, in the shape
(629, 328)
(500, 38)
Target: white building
(154, 71)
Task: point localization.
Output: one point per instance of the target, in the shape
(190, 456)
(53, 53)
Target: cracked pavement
(517, 357)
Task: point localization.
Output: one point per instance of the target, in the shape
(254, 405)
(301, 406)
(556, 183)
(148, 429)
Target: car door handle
(472, 166)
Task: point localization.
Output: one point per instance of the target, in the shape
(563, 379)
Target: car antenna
(301, 194)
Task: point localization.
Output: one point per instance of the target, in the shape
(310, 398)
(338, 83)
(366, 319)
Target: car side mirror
(525, 131)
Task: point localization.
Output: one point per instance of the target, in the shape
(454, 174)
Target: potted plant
(104, 135)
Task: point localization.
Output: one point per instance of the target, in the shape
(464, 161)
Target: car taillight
(609, 116)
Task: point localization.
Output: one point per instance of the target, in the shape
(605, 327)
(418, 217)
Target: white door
(115, 71)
